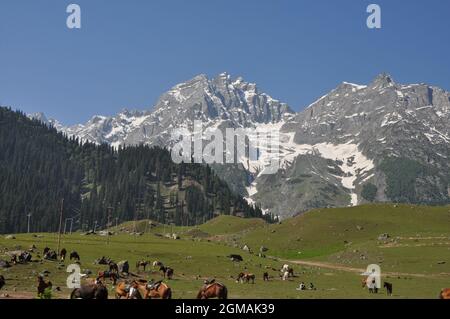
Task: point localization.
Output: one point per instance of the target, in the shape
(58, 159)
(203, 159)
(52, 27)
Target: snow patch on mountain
(353, 163)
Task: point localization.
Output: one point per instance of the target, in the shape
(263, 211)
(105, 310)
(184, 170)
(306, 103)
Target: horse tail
(169, 293)
(225, 292)
(200, 294)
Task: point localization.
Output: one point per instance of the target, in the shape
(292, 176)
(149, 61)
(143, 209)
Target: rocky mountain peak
(382, 80)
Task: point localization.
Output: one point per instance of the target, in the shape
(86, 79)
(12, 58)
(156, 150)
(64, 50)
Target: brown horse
(246, 277)
(364, 282)
(95, 290)
(42, 285)
(214, 290)
(122, 290)
(159, 290)
(445, 294)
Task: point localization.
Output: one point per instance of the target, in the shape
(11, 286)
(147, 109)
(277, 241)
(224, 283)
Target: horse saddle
(212, 284)
(154, 286)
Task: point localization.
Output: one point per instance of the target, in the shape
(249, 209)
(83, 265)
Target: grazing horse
(2, 281)
(157, 263)
(366, 282)
(214, 290)
(141, 263)
(42, 285)
(445, 294)
(62, 254)
(388, 287)
(74, 255)
(245, 277)
(167, 272)
(235, 258)
(46, 250)
(96, 290)
(51, 255)
(108, 274)
(266, 276)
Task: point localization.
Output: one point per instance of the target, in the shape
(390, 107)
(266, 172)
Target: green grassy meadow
(328, 247)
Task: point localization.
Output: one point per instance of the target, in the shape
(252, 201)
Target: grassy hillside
(329, 247)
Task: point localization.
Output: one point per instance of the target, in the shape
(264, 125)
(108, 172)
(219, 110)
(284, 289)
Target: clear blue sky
(129, 52)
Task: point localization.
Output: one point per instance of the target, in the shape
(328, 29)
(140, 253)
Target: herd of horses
(127, 289)
(131, 288)
(143, 289)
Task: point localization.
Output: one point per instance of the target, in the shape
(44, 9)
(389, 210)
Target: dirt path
(358, 270)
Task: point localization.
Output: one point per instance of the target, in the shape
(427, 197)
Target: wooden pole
(107, 225)
(28, 228)
(60, 226)
(71, 224)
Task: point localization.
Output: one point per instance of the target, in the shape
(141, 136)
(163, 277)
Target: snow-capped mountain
(377, 142)
(42, 118)
(213, 101)
(384, 141)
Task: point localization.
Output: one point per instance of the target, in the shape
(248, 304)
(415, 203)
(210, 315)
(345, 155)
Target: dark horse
(113, 276)
(167, 272)
(42, 285)
(388, 287)
(113, 267)
(96, 290)
(46, 250)
(2, 281)
(62, 254)
(74, 255)
(142, 263)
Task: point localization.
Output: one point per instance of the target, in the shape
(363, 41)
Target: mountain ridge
(332, 152)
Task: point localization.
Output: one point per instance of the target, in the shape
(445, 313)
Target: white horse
(157, 263)
(285, 275)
